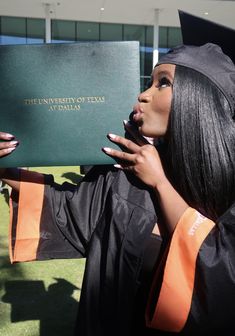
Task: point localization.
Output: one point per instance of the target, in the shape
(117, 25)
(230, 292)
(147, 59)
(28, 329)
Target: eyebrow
(163, 73)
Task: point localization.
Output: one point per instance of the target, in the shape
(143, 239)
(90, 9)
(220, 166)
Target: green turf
(42, 297)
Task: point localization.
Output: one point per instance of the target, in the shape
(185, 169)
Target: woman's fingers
(8, 144)
(6, 136)
(6, 151)
(6, 147)
(130, 145)
(123, 156)
(143, 161)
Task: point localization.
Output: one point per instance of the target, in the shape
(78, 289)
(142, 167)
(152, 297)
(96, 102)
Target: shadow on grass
(8, 270)
(54, 307)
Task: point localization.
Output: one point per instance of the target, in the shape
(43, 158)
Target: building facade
(18, 30)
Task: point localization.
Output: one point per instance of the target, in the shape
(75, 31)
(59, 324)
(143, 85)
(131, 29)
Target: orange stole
(174, 302)
(28, 219)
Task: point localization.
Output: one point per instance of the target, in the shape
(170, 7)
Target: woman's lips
(138, 114)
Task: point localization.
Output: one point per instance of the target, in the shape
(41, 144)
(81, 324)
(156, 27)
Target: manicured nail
(117, 166)
(126, 123)
(9, 150)
(9, 136)
(111, 136)
(107, 149)
(13, 143)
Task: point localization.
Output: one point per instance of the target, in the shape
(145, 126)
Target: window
(110, 32)
(174, 37)
(134, 33)
(13, 30)
(63, 31)
(163, 38)
(87, 31)
(35, 31)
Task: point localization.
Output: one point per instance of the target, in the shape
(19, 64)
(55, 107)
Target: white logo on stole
(198, 221)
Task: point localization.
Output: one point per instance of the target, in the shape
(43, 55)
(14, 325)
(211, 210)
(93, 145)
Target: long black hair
(200, 159)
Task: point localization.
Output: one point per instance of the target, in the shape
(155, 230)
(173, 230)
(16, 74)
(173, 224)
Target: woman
(199, 160)
(184, 186)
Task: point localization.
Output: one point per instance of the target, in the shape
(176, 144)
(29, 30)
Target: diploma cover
(61, 100)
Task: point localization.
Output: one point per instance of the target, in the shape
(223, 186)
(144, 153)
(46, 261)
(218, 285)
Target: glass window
(142, 59)
(13, 30)
(142, 69)
(63, 31)
(148, 60)
(148, 67)
(13, 26)
(174, 37)
(149, 36)
(163, 43)
(35, 31)
(87, 31)
(110, 32)
(134, 33)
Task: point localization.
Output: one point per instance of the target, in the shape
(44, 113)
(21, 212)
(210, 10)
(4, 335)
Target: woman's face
(151, 113)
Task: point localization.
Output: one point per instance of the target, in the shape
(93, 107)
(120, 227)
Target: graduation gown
(108, 219)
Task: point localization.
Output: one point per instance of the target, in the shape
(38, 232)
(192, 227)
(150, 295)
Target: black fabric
(198, 31)
(108, 218)
(209, 60)
(212, 309)
(152, 257)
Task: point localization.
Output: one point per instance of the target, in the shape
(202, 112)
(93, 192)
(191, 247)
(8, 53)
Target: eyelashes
(163, 83)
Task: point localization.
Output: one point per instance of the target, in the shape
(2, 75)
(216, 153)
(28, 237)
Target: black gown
(108, 218)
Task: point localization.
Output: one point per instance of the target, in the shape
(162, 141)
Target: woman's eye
(163, 83)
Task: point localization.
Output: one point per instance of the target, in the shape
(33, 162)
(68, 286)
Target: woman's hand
(7, 146)
(143, 160)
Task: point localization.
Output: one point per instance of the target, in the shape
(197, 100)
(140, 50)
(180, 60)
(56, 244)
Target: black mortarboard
(199, 53)
(198, 31)
(65, 284)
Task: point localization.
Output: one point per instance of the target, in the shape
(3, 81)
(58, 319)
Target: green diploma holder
(61, 100)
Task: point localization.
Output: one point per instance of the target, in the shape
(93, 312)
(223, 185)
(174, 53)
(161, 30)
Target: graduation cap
(65, 284)
(207, 48)
(62, 286)
(198, 31)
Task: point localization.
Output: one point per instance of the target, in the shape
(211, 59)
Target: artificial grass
(41, 297)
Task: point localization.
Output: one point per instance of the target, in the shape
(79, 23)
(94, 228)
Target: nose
(144, 97)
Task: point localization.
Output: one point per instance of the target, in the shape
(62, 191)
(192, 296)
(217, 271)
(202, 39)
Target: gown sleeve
(193, 288)
(49, 221)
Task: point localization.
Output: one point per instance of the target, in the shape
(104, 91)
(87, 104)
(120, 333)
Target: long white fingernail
(107, 149)
(112, 136)
(9, 150)
(117, 166)
(14, 143)
(9, 136)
